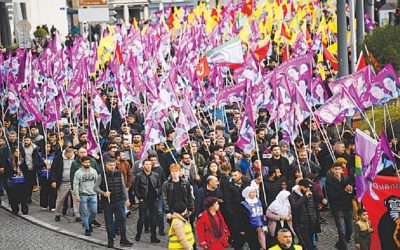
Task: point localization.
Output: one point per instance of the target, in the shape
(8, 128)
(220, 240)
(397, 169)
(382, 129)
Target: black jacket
(283, 164)
(232, 195)
(339, 199)
(57, 169)
(303, 210)
(167, 191)
(202, 194)
(141, 185)
(37, 161)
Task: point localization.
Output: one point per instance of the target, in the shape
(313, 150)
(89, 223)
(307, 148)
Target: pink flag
(32, 112)
(247, 129)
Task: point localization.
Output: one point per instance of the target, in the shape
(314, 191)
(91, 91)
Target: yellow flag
(333, 49)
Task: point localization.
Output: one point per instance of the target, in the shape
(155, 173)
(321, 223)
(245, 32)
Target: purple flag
(295, 70)
(52, 112)
(318, 91)
(390, 83)
(100, 107)
(316, 44)
(300, 46)
(331, 111)
(385, 146)
(369, 23)
(32, 112)
(231, 94)
(246, 140)
(360, 80)
(153, 132)
(365, 150)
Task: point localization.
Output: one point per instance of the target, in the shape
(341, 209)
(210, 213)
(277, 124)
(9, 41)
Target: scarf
(217, 232)
(281, 205)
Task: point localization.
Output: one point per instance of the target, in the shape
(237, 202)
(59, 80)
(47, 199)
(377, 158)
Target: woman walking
(211, 228)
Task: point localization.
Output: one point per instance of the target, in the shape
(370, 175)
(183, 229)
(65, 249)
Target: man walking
(340, 195)
(147, 188)
(60, 180)
(84, 182)
(111, 185)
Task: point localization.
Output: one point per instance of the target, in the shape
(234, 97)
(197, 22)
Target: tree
(384, 44)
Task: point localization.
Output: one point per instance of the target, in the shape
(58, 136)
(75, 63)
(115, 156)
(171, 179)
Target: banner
(384, 213)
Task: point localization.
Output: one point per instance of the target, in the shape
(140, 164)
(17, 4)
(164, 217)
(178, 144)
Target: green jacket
(77, 164)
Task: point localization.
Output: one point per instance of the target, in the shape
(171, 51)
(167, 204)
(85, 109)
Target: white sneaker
(53, 209)
(43, 208)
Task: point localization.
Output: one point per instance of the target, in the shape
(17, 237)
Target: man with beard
(277, 161)
(232, 194)
(285, 240)
(37, 138)
(137, 143)
(33, 161)
(340, 196)
(303, 211)
(306, 166)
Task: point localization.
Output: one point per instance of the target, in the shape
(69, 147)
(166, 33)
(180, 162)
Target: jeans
(343, 221)
(88, 209)
(149, 206)
(114, 210)
(160, 214)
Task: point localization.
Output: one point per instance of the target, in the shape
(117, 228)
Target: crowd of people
(227, 197)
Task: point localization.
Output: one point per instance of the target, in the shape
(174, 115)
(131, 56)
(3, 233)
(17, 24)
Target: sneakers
(57, 218)
(87, 232)
(43, 208)
(110, 244)
(155, 240)
(125, 243)
(94, 222)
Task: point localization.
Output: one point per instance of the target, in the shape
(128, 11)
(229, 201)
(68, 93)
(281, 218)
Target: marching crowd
(269, 199)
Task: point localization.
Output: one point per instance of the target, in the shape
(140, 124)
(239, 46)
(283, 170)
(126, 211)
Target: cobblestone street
(36, 237)
(17, 233)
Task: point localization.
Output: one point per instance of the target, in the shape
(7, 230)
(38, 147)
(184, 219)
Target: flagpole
(362, 113)
(309, 142)
(97, 140)
(391, 124)
(169, 149)
(302, 136)
(261, 171)
(202, 134)
(373, 115)
(337, 130)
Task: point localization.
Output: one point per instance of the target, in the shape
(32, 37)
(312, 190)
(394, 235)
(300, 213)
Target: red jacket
(206, 238)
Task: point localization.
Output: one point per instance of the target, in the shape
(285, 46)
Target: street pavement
(68, 234)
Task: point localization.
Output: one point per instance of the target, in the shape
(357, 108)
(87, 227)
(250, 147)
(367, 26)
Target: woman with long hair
(16, 185)
(211, 229)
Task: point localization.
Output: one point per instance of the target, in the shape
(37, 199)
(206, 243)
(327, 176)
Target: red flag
(247, 9)
(331, 58)
(361, 62)
(261, 53)
(118, 54)
(284, 33)
(202, 68)
(284, 10)
(372, 60)
(285, 55)
(170, 20)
